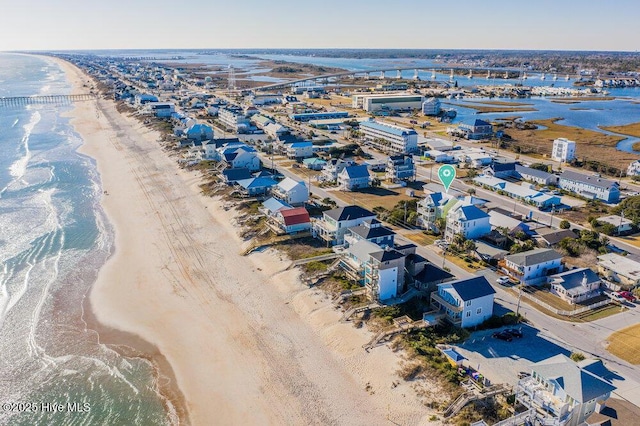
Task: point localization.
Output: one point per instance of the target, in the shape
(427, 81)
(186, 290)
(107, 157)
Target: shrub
(564, 224)
(577, 356)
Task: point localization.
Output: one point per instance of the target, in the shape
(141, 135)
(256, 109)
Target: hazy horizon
(570, 25)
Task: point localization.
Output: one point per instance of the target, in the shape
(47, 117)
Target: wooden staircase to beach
(400, 324)
(351, 312)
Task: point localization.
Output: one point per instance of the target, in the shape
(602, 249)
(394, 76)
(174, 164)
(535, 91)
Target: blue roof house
(353, 177)
(256, 186)
(465, 303)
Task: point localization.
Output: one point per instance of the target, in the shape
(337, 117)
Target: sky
(419, 24)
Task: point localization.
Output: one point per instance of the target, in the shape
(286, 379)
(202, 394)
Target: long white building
(374, 102)
(389, 138)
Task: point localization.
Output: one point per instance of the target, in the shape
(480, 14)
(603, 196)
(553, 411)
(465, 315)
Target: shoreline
(126, 344)
(246, 342)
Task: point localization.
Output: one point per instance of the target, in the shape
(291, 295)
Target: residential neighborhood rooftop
(534, 257)
(348, 213)
(472, 288)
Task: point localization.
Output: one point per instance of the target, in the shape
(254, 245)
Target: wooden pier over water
(45, 99)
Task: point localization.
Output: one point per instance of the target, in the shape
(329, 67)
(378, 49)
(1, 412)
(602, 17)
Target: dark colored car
(502, 336)
(514, 332)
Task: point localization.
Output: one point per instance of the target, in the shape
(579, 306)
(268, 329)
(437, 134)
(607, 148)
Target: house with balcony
(256, 186)
(333, 168)
(576, 285)
(291, 191)
(334, 223)
(353, 177)
(380, 270)
(241, 157)
(293, 220)
(465, 303)
(400, 168)
(300, 150)
(467, 220)
(532, 267)
(501, 168)
(475, 130)
(271, 206)
(370, 230)
(624, 270)
(590, 186)
(434, 206)
(199, 132)
(563, 392)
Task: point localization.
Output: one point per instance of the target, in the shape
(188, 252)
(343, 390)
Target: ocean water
(54, 237)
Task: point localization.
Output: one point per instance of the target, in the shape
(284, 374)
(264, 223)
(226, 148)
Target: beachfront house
(353, 177)
(371, 230)
(271, 206)
(381, 271)
(291, 191)
(467, 220)
(465, 303)
(244, 157)
(576, 285)
(256, 186)
(590, 186)
(334, 223)
(293, 220)
(199, 132)
(400, 168)
(532, 267)
(231, 176)
(565, 392)
(624, 270)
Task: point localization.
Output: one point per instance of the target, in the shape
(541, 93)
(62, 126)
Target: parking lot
(501, 361)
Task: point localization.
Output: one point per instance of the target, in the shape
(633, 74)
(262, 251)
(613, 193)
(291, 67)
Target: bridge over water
(45, 99)
(382, 74)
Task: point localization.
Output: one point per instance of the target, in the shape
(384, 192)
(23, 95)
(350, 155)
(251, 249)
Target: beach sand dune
(245, 341)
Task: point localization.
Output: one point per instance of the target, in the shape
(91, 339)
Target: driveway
(501, 361)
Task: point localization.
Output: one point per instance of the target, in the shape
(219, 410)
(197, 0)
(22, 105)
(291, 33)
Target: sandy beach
(238, 340)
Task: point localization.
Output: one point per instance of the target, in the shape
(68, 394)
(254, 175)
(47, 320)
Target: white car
(503, 280)
(616, 297)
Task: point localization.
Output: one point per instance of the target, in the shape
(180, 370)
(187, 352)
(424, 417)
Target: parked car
(502, 335)
(514, 332)
(616, 297)
(627, 295)
(523, 374)
(503, 280)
